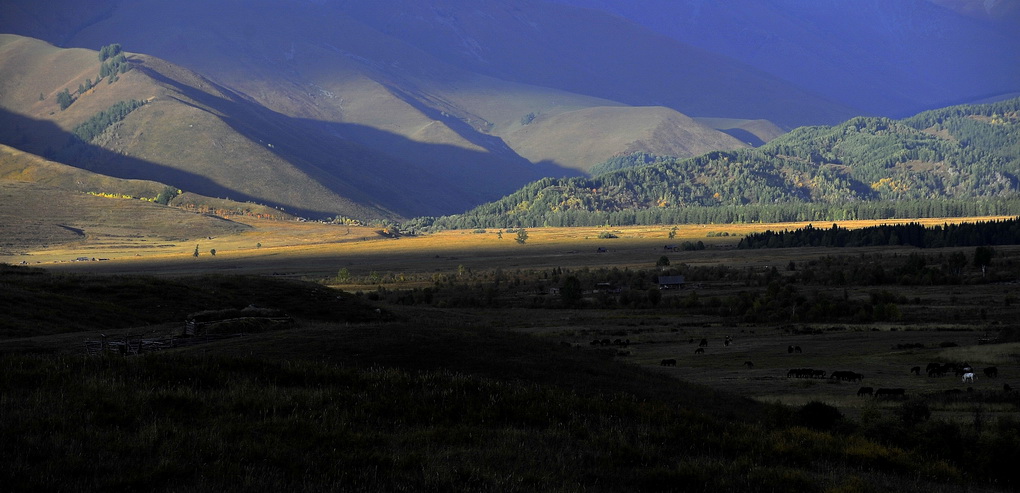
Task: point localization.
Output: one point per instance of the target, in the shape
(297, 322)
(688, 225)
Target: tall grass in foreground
(173, 421)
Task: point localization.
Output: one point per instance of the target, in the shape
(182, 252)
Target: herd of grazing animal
(964, 371)
(607, 342)
(881, 392)
(805, 373)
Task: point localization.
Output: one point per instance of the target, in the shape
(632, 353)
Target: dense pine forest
(955, 161)
(979, 234)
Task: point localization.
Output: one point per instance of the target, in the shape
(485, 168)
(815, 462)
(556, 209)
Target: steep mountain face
(191, 133)
(395, 123)
(885, 58)
(429, 44)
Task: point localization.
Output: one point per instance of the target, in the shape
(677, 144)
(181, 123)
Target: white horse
(968, 378)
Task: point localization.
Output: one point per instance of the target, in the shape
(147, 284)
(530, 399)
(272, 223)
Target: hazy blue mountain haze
(889, 58)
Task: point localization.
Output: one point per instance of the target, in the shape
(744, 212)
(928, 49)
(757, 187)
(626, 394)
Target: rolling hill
(956, 157)
(403, 158)
(44, 204)
(205, 138)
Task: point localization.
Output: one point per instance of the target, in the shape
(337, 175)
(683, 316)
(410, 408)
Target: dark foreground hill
(348, 398)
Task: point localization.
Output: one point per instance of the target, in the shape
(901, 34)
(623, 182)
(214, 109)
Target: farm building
(671, 282)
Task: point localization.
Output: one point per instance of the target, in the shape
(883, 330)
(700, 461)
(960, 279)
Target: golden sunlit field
(310, 249)
(316, 251)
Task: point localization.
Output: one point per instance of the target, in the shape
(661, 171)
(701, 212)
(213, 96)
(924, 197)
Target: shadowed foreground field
(462, 361)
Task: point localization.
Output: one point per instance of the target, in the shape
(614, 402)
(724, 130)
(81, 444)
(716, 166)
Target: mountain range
(955, 161)
(397, 108)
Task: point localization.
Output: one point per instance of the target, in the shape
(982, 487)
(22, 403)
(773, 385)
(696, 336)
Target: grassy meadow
(454, 361)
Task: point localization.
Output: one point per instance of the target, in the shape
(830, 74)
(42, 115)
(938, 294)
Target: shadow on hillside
(46, 139)
(376, 167)
(744, 136)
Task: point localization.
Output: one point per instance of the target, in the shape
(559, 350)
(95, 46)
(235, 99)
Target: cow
(749, 364)
(789, 349)
(890, 393)
(992, 372)
(805, 373)
(796, 349)
(847, 376)
(668, 362)
(703, 343)
(916, 370)
(968, 378)
(700, 350)
(865, 391)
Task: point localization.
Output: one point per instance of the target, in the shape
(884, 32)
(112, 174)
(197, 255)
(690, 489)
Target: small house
(671, 282)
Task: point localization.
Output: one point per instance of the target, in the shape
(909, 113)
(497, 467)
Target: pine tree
(64, 99)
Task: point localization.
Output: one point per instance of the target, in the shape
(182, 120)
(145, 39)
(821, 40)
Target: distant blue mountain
(890, 58)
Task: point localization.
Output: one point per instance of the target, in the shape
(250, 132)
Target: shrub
(819, 416)
(914, 412)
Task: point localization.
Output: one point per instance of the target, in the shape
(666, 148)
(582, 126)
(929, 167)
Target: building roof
(671, 279)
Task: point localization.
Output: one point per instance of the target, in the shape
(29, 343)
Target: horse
(968, 378)
(700, 350)
(916, 370)
(865, 391)
(703, 343)
(749, 364)
(992, 372)
(668, 362)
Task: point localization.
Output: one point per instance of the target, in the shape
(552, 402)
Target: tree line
(96, 124)
(752, 213)
(1006, 232)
